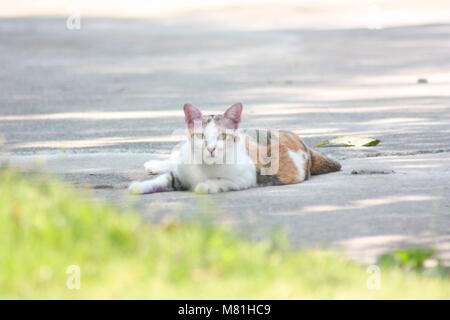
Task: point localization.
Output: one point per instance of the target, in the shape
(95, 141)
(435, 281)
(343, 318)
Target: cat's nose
(211, 150)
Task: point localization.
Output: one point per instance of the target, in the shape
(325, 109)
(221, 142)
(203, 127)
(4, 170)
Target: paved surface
(101, 100)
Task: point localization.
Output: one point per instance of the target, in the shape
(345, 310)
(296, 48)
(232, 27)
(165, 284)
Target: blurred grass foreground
(56, 244)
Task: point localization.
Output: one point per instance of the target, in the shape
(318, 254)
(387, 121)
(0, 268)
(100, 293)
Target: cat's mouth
(212, 158)
(209, 158)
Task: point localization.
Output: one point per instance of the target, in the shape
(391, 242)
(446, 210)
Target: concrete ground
(94, 104)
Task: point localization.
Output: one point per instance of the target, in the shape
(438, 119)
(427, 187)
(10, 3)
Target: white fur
(161, 166)
(211, 132)
(299, 158)
(208, 176)
(159, 184)
(213, 178)
(157, 166)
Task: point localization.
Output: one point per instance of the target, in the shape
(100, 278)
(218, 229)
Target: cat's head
(214, 137)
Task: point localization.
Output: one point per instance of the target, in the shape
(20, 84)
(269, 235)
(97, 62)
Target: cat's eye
(222, 136)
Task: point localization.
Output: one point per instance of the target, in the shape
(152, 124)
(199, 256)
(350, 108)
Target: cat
(217, 157)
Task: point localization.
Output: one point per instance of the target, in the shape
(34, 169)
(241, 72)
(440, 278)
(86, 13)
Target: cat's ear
(191, 114)
(232, 116)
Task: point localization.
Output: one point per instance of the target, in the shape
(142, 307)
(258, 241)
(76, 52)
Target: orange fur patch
(286, 170)
(292, 141)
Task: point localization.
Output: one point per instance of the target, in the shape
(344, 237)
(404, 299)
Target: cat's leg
(162, 166)
(215, 186)
(161, 183)
(158, 166)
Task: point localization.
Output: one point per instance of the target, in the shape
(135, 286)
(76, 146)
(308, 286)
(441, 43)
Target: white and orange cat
(217, 157)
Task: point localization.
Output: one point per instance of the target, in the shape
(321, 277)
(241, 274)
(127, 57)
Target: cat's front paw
(155, 167)
(207, 187)
(136, 188)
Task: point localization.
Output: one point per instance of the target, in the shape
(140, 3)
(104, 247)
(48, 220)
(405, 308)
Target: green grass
(46, 226)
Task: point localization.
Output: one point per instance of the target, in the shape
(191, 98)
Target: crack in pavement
(395, 153)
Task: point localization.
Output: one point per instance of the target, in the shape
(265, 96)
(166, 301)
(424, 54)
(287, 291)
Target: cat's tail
(321, 164)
